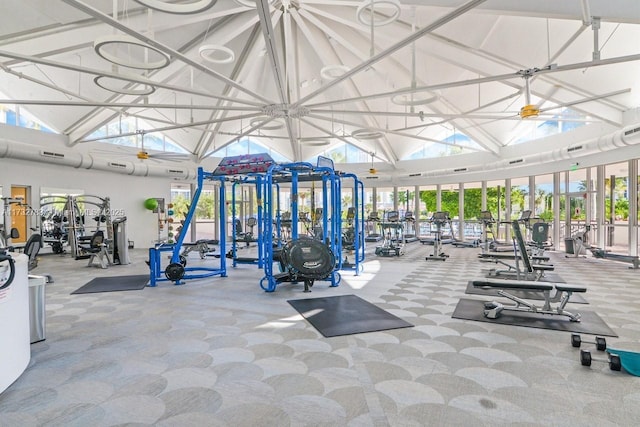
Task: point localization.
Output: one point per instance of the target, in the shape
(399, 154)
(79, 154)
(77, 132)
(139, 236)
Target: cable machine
(247, 236)
(176, 272)
(303, 259)
(357, 227)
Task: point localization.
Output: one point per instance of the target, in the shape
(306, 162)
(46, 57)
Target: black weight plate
(576, 340)
(309, 258)
(614, 362)
(174, 271)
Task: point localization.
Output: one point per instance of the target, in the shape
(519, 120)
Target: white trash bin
(37, 309)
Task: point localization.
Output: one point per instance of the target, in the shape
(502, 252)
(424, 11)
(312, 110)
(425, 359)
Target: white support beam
(91, 11)
(402, 43)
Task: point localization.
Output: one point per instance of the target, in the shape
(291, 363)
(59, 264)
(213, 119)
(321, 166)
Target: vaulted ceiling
(301, 75)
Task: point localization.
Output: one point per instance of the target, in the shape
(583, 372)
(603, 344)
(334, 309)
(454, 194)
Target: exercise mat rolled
(308, 258)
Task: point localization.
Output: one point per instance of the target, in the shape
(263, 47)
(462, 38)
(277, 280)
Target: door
(19, 213)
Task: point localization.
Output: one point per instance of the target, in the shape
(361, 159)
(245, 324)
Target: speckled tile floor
(221, 352)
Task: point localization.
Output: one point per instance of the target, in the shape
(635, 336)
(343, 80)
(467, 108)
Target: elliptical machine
(439, 219)
(576, 245)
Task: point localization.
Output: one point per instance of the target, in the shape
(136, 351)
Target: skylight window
(15, 115)
(119, 133)
(344, 153)
(565, 121)
(249, 146)
(456, 143)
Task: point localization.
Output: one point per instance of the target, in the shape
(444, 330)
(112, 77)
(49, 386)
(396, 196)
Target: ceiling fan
(144, 154)
(372, 170)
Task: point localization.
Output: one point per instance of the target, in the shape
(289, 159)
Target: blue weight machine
(302, 259)
(356, 228)
(175, 271)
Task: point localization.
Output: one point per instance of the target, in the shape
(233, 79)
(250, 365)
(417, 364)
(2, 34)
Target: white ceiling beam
(402, 43)
(328, 51)
(245, 61)
(176, 69)
(617, 11)
(393, 132)
(485, 140)
(514, 75)
(91, 11)
(351, 141)
(277, 68)
(194, 125)
(115, 105)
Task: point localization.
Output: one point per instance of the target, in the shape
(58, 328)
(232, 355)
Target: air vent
(515, 162)
(576, 148)
(117, 165)
(415, 174)
(460, 170)
(52, 154)
(371, 177)
(630, 131)
(175, 171)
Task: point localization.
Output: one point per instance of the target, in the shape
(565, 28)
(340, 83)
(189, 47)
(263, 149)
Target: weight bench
(530, 271)
(561, 296)
(496, 256)
(202, 246)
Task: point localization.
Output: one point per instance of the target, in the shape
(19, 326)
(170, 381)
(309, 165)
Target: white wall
(126, 192)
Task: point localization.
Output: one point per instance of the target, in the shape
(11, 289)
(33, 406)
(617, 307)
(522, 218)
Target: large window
(544, 197)
(385, 201)
(119, 132)
(248, 146)
(519, 196)
(617, 204)
(18, 116)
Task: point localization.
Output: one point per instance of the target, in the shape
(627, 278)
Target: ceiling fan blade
(589, 99)
(546, 96)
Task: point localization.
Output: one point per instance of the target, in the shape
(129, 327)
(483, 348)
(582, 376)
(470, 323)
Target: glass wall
(496, 204)
(180, 201)
(617, 206)
(472, 209)
(519, 196)
(385, 200)
(428, 202)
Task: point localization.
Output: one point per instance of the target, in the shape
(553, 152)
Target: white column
(461, 211)
(556, 210)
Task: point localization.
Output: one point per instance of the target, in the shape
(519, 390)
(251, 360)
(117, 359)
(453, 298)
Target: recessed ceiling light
(366, 134)
(108, 83)
(101, 43)
(261, 122)
(314, 142)
(331, 72)
(414, 98)
(216, 53)
(366, 12)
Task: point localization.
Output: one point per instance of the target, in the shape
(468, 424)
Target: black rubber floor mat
(114, 283)
(346, 315)
(590, 323)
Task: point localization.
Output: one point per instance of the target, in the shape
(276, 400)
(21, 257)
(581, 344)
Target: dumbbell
(600, 342)
(612, 359)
